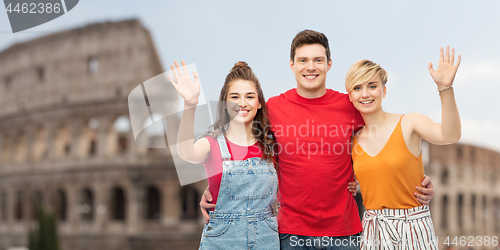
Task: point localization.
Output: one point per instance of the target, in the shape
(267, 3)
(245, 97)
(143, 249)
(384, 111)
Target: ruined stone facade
(467, 193)
(63, 100)
(466, 203)
(66, 145)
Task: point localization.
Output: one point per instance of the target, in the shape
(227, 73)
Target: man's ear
(292, 66)
(329, 65)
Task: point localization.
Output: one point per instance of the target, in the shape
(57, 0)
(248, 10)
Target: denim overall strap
(224, 151)
(243, 216)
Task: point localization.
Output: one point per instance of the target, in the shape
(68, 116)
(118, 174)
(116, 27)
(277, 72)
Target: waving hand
(187, 89)
(446, 70)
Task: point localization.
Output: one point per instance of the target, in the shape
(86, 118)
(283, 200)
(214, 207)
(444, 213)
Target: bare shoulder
(394, 118)
(202, 147)
(416, 121)
(203, 143)
(415, 117)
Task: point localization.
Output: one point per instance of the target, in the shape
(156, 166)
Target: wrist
(444, 88)
(190, 103)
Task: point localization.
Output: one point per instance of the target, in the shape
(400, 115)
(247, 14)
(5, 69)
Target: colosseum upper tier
(66, 144)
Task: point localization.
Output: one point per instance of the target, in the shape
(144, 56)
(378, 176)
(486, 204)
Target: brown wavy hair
(260, 125)
(309, 37)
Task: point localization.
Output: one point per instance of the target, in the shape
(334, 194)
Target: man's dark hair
(310, 37)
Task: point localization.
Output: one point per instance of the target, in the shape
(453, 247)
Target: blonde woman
(387, 158)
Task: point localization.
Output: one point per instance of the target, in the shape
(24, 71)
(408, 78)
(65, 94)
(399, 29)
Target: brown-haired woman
(238, 159)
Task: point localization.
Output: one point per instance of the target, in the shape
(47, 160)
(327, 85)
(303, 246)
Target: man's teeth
(367, 102)
(310, 77)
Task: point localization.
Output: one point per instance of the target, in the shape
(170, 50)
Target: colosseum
(465, 209)
(66, 145)
(466, 203)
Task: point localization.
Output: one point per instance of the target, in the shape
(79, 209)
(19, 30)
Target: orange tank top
(388, 180)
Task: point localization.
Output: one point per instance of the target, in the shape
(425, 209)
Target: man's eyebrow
(317, 57)
(234, 93)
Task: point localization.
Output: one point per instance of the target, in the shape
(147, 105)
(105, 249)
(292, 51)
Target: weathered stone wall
(61, 97)
(467, 193)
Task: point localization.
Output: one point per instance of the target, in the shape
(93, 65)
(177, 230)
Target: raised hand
(187, 89)
(446, 70)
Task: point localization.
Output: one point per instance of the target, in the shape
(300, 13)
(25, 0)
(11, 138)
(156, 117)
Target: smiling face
(367, 96)
(242, 101)
(310, 66)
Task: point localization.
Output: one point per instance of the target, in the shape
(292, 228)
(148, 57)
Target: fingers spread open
(441, 55)
(447, 55)
(184, 68)
(179, 72)
(173, 73)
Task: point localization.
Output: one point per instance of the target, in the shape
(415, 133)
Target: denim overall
(243, 217)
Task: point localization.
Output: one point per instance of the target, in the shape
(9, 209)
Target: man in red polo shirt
(313, 126)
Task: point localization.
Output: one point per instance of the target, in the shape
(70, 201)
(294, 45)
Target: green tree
(44, 236)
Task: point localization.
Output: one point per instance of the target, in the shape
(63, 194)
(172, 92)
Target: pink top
(213, 163)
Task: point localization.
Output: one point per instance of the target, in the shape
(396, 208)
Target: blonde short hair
(363, 71)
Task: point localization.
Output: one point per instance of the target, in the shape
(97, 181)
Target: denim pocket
(272, 223)
(214, 229)
(250, 184)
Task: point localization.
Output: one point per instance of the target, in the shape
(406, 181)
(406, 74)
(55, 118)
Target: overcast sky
(402, 36)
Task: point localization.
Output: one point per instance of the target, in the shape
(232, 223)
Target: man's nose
(310, 65)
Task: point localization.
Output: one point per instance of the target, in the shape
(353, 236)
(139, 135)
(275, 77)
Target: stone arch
(119, 134)
(460, 209)
(118, 204)
(189, 205)
(152, 203)
(496, 214)
(21, 147)
(154, 133)
(4, 205)
(88, 138)
(445, 175)
(62, 142)
(37, 203)
(86, 207)
(484, 211)
(93, 65)
(19, 206)
(473, 209)
(7, 149)
(39, 144)
(60, 203)
(444, 213)
(41, 73)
